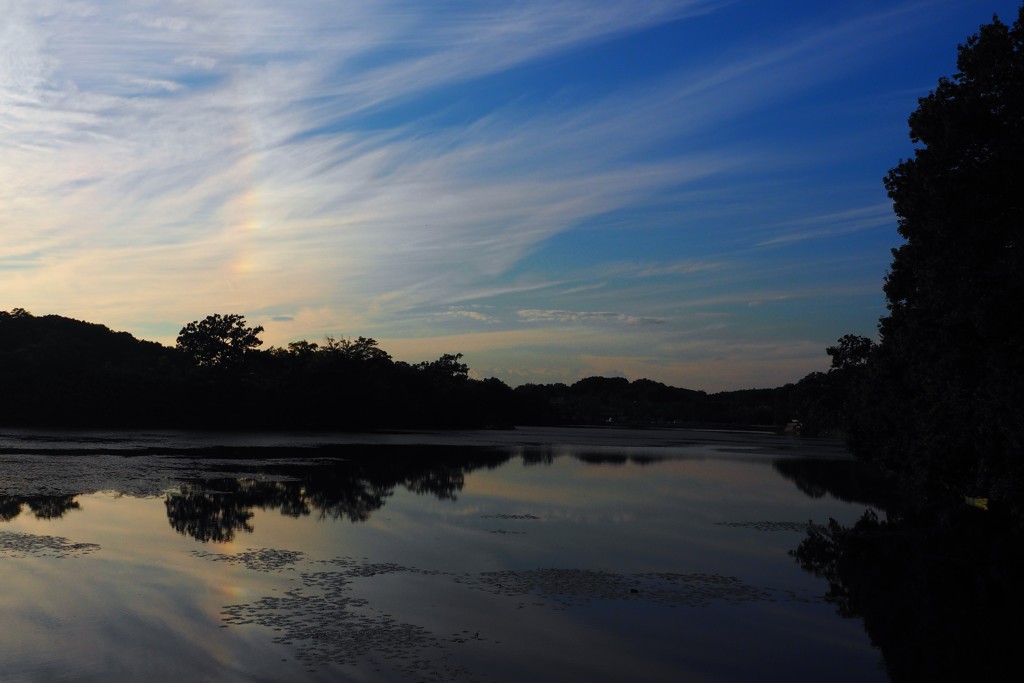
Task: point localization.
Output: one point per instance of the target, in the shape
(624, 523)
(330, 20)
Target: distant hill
(63, 372)
(60, 372)
(52, 336)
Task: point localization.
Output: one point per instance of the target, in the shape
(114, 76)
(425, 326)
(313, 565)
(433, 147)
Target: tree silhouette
(947, 382)
(448, 368)
(218, 340)
(851, 351)
(62, 372)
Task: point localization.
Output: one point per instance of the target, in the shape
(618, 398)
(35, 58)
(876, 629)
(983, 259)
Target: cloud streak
(332, 167)
(533, 316)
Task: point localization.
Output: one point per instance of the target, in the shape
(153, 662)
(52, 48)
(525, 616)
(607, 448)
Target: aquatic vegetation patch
(15, 544)
(259, 560)
(325, 620)
(360, 568)
(325, 623)
(564, 588)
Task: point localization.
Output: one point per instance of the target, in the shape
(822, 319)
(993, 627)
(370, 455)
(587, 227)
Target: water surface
(532, 554)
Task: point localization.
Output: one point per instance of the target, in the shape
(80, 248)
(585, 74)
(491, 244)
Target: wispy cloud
(829, 225)
(472, 314)
(298, 161)
(684, 267)
(532, 316)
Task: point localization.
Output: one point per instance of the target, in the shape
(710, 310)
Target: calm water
(544, 555)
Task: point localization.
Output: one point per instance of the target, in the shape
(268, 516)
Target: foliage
(447, 368)
(63, 372)
(852, 351)
(831, 401)
(218, 341)
(361, 349)
(947, 381)
(645, 403)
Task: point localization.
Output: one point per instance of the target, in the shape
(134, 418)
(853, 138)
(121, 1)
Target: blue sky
(686, 191)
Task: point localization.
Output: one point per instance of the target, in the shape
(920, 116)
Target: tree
(302, 348)
(959, 199)
(951, 360)
(362, 349)
(448, 368)
(829, 402)
(852, 351)
(218, 340)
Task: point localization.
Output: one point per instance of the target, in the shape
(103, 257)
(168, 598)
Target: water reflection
(481, 563)
(215, 509)
(845, 479)
(939, 591)
(633, 545)
(41, 507)
(935, 587)
(616, 459)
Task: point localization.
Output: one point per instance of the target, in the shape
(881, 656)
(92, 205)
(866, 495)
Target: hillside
(60, 372)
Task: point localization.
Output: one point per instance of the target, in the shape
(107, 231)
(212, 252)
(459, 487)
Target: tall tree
(948, 377)
(218, 340)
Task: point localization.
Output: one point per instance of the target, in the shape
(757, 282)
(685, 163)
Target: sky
(687, 191)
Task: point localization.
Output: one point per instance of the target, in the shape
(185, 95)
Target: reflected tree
(209, 515)
(215, 510)
(443, 482)
(538, 456)
(42, 507)
(10, 507)
(52, 507)
(848, 480)
(938, 591)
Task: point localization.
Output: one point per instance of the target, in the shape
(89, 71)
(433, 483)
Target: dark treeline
(60, 372)
(938, 400)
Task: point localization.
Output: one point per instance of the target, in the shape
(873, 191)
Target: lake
(529, 554)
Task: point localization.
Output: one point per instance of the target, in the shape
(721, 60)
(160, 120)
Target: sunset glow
(684, 190)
